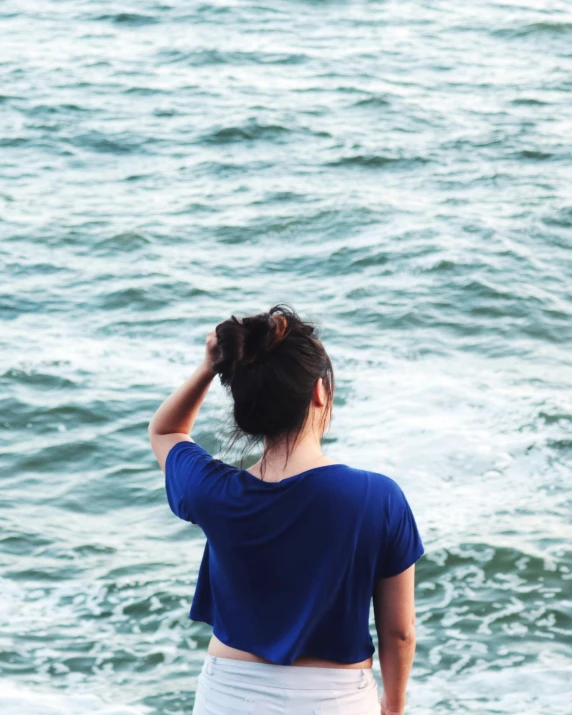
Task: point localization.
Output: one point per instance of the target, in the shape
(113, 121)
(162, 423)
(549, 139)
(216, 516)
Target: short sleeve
(186, 468)
(403, 546)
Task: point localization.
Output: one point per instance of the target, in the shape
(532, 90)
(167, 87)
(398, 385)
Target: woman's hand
(386, 711)
(212, 351)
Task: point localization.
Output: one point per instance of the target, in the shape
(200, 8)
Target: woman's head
(274, 365)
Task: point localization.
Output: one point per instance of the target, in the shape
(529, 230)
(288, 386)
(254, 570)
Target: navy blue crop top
(289, 567)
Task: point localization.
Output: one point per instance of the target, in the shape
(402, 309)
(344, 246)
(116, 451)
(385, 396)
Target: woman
(297, 545)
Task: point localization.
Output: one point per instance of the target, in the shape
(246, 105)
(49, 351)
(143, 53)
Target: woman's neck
(306, 455)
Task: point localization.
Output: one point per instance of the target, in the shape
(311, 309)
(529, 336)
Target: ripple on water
(376, 161)
(536, 29)
(251, 130)
(215, 57)
(128, 19)
(496, 606)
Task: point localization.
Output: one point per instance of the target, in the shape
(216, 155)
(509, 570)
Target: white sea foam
(16, 699)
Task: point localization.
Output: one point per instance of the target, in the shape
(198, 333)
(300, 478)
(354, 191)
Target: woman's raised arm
(177, 414)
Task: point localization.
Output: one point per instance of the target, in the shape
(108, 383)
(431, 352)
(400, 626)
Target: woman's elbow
(404, 637)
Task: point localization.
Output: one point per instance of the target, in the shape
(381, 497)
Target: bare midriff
(220, 650)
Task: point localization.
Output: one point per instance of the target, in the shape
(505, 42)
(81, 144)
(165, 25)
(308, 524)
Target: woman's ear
(320, 395)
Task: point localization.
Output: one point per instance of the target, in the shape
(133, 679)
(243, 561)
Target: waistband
(289, 676)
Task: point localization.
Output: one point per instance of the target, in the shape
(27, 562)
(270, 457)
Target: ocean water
(400, 172)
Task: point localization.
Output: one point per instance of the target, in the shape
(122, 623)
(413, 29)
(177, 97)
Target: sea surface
(401, 173)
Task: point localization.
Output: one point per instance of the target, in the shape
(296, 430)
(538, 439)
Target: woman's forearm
(179, 411)
(395, 658)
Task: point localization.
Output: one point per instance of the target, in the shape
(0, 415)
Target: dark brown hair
(270, 363)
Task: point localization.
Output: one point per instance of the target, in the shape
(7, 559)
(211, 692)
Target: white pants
(236, 687)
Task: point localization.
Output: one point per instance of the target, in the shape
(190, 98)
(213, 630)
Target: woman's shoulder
(375, 477)
(360, 480)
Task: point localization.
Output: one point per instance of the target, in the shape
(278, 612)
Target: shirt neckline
(294, 476)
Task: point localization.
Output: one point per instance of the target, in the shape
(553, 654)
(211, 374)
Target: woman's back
(290, 566)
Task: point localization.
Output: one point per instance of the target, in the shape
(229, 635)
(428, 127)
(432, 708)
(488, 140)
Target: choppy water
(398, 171)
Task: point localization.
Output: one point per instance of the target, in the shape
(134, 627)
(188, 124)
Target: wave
(123, 242)
(133, 19)
(376, 161)
(373, 101)
(201, 58)
(536, 28)
(249, 131)
(127, 143)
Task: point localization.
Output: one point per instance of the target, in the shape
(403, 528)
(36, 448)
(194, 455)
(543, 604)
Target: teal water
(398, 171)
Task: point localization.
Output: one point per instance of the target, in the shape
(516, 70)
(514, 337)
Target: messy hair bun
(270, 363)
(249, 341)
